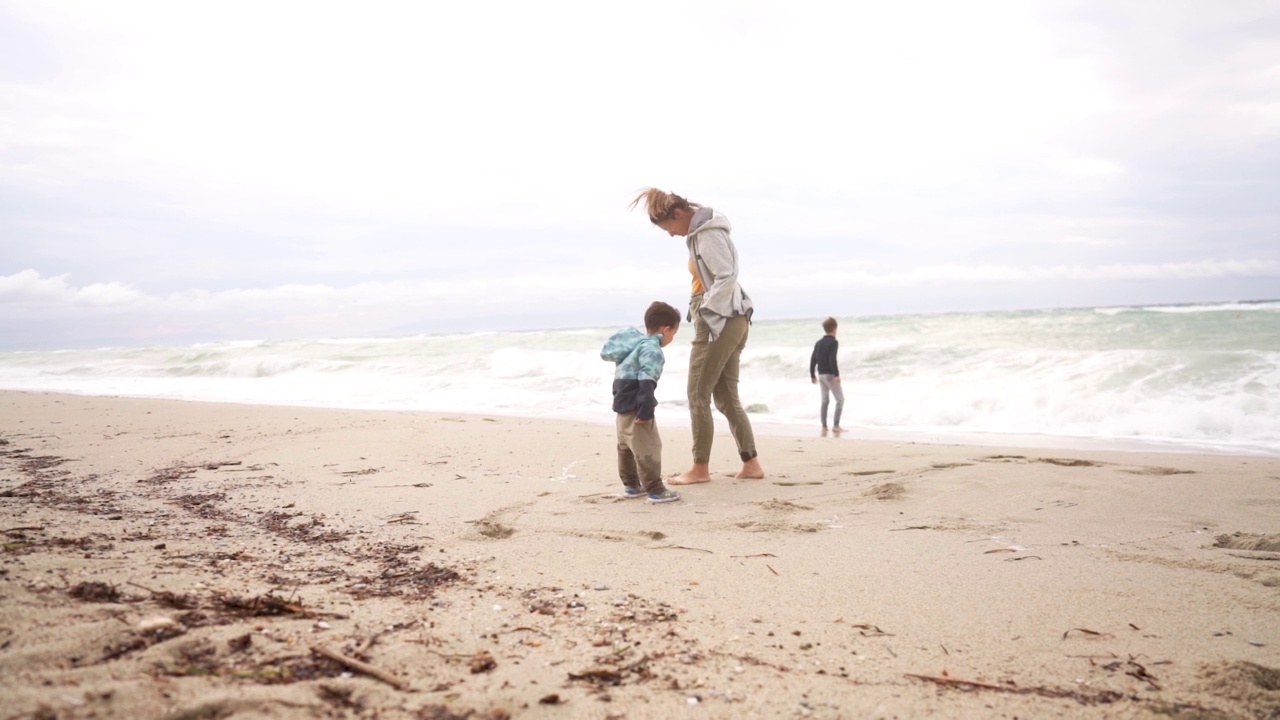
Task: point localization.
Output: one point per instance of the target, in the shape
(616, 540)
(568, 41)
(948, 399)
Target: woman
(721, 313)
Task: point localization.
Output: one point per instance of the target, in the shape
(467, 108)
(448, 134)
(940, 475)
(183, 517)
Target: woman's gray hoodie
(715, 260)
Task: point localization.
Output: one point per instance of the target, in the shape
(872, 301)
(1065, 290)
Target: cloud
(982, 274)
(34, 310)
(411, 166)
(28, 290)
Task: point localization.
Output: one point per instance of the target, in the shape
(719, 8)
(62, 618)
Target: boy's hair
(829, 324)
(660, 315)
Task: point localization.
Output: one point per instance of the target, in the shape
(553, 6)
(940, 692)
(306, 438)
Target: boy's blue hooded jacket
(640, 360)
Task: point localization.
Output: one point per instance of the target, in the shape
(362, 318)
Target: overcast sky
(182, 171)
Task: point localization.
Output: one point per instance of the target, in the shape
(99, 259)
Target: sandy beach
(167, 559)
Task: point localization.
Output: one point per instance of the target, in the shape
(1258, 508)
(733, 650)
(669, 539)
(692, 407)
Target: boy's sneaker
(664, 497)
(630, 493)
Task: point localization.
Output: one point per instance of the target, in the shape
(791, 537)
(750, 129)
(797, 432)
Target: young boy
(828, 372)
(640, 360)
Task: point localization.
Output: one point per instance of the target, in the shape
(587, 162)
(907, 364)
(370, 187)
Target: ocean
(1177, 377)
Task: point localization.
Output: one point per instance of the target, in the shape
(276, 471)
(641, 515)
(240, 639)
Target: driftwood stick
(361, 667)
(966, 683)
(362, 650)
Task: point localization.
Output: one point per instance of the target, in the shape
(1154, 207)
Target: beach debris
(217, 709)
(156, 622)
(1133, 669)
(552, 699)
(361, 667)
(404, 518)
(150, 632)
(365, 471)
(1097, 697)
(169, 599)
(601, 675)
(442, 712)
(1086, 631)
(869, 630)
(482, 662)
(22, 529)
(95, 592)
(183, 471)
(260, 606)
(680, 547)
(395, 580)
(565, 473)
(240, 643)
(339, 696)
(282, 523)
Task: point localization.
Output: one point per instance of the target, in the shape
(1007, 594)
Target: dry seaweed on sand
(170, 599)
(281, 523)
(260, 606)
(442, 712)
(395, 580)
(616, 675)
(95, 592)
(1094, 697)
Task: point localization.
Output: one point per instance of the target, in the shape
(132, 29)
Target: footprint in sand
(1258, 547)
(775, 525)
(1248, 541)
(1255, 686)
(1153, 470)
(783, 505)
(1067, 462)
(886, 491)
(490, 526)
(1061, 462)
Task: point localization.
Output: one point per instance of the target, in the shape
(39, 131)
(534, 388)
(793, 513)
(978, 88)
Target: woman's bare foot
(751, 470)
(699, 473)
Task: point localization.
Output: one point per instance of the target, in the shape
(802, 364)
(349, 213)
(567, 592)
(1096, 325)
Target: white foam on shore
(1204, 378)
